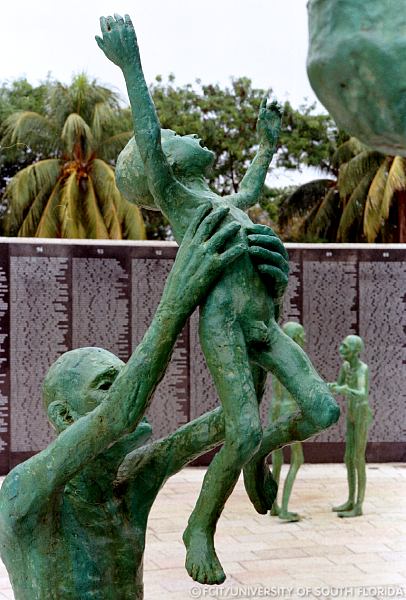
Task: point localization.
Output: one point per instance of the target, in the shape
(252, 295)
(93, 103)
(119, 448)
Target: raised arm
(268, 127)
(199, 262)
(119, 44)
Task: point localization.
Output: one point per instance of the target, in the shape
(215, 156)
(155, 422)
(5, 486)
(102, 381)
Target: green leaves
(72, 194)
(28, 194)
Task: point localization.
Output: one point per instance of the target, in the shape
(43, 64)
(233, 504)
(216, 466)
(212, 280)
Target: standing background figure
(283, 404)
(353, 384)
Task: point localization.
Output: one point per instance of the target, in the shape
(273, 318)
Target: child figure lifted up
(238, 331)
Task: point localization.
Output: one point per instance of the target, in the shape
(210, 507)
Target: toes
(193, 572)
(219, 576)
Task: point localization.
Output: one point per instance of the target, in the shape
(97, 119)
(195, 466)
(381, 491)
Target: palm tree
(297, 212)
(372, 189)
(70, 190)
(366, 202)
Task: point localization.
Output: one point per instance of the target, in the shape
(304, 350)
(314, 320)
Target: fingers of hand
(110, 23)
(230, 255)
(262, 229)
(276, 107)
(201, 213)
(268, 241)
(103, 25)
(99, 41)
(219, 239)
(276, 275)
(270, 258)
(263, 103)
(209, 224)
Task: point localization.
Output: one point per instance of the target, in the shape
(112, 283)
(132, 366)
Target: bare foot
(202, 563)
(349, 505)
(274, 512)
(289, 516)
(260, 486)
(355, 512)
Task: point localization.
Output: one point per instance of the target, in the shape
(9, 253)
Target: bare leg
(224, 347)
(291, 365)
(349, 460)
(318, 409)
(277, 462)
(360, 444)
(259, 482)
(296, 461)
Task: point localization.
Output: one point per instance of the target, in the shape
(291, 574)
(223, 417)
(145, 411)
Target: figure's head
(296, 332)
(77, 382)
(185, 154)
(351, 346)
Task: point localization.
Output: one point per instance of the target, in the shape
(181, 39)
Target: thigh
(296, 453)
(361, 435)
(225, 351)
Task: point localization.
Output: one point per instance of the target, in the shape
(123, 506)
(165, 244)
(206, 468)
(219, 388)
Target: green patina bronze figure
(239, 334)
(67, 532)
(353, 384)
(357, 64)
(284, 404)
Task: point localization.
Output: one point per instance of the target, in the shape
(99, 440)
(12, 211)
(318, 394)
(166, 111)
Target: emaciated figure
(66, 531)
(238, 331)
(353, 384)
(284, 404)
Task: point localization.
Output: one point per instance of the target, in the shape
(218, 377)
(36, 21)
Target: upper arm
(29, 487)
(158, 170)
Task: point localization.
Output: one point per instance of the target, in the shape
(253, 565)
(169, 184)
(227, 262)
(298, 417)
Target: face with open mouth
(187, 154)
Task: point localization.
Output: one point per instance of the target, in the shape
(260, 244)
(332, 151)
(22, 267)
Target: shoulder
(20, 495)
(9, 497)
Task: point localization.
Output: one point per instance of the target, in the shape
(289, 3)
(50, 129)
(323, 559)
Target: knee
(244, 445)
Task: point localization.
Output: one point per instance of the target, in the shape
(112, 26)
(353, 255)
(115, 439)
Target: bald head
(76, 378)
(354, 343)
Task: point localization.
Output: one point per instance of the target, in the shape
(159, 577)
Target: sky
(211, 40)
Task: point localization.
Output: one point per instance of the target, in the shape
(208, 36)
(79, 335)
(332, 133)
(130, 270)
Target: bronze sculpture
(239, 334)
(353, 384)
(284, 404)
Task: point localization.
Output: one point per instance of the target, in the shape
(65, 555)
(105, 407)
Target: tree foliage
(363, 204)
(225, 118)
(69, 190)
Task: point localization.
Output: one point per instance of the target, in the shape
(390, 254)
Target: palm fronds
(77, 137)
(31, 129)
(73, 195)
(27, 194)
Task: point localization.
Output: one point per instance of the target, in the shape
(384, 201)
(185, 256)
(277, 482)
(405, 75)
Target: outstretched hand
(119, 42)
(338, 389)
(203, 255)
(270, 258)
(269, 123)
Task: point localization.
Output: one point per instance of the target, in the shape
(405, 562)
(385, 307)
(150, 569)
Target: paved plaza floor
(321, 556)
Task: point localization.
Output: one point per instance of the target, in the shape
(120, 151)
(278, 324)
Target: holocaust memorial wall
(58, 295)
